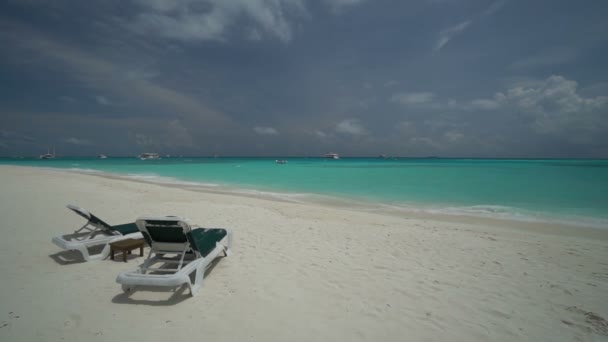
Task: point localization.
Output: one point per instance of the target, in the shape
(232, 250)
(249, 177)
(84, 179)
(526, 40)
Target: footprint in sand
(11, 315)
(499, 314)
(592, 321)
(554, 286)
(72, 321)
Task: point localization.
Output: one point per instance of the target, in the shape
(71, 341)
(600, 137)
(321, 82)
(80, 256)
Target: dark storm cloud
(294, 77)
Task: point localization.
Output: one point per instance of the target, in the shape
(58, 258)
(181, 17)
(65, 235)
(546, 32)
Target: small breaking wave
(154, 178)
(490, 211)
(504, 213)
(84, 170)
(293, 197)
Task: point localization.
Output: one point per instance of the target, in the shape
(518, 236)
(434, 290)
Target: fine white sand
(298, 272)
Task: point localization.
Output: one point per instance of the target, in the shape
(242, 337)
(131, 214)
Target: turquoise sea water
(575, 191)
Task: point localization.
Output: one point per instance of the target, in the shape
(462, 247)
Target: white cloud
(351, 126)
(554, 106)
(550, 106)
(413, 98)
(495, 7)
(485, 104)
(320, 134)
(446, 35)
(198, 20)
(527, 110)
(77, 141)
(265, 130)
(102, 100)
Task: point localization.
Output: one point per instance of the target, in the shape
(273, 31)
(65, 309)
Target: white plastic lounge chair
(174, 241)
(94, 233)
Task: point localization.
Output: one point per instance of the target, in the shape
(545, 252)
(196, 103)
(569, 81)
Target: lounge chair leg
(194, 289)
(85, 252)
(228, 248)
(198, 281)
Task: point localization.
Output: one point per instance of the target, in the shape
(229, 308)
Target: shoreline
(538, 226)
(323, 201)
(544, 222)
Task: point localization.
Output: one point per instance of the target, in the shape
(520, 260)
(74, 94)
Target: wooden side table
(126, 246)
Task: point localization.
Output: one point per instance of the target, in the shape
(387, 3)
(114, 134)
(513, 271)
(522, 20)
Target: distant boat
(102, 156)
(48, 155)
(332, 155)
(280, 161)
(149, 156)
(383, 156)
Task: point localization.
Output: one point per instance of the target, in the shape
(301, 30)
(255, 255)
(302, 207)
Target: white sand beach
(298, 272)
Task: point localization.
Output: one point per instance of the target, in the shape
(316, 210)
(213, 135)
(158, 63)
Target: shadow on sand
(70, 257)
(73, 257)
(180, 293)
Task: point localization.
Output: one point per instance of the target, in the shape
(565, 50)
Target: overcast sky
(470, 78)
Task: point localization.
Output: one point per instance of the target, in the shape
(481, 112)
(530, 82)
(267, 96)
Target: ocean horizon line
(380, 157)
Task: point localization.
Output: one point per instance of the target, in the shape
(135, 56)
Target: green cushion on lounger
(127, 228)
(124, 229)
(203, 240)
(166, 231)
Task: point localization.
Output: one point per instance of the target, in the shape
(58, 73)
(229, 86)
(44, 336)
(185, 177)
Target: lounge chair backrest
(94, 220)
(167, 234)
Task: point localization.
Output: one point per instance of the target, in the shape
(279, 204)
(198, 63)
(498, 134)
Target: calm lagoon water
(569, 190)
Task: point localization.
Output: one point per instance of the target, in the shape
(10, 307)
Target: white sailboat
(48, 155)
(149, 156)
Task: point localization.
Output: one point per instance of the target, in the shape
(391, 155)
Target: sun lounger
(177, 250)
(95, 232)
